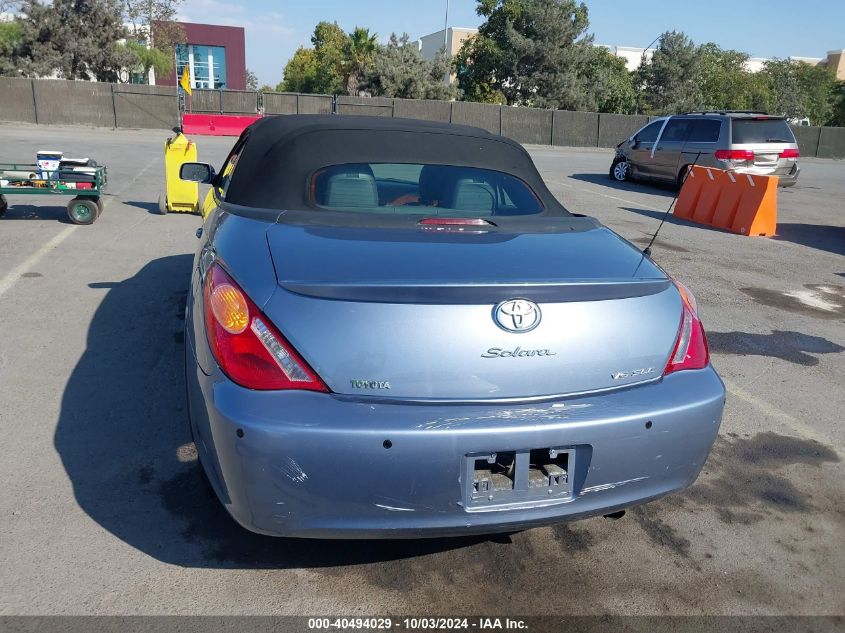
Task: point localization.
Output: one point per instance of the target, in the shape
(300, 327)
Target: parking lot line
(770, 410)
(13, 275)
(604, 195)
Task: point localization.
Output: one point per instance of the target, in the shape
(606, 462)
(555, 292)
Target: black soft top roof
(281, 153)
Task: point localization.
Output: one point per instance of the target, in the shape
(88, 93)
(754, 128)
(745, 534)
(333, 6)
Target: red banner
(215, 124)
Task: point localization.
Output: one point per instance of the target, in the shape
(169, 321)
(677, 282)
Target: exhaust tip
(615, 515)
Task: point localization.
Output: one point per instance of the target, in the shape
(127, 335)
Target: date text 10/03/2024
(418, 624)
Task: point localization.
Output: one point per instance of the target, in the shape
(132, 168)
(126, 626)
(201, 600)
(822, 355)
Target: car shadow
(657, 189)
(123, 439)
(818, 236)
(793, 347)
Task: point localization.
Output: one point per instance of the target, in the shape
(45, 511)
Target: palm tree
(359, 50)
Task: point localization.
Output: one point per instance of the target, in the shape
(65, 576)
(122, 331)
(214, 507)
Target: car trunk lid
(408, 313)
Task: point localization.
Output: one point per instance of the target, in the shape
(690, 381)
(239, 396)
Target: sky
(776, 28)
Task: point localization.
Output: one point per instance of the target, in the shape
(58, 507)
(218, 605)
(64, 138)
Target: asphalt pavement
(102, 509)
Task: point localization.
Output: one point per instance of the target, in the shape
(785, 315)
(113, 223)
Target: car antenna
(647, 249)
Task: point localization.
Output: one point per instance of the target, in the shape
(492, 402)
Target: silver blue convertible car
(395, 330)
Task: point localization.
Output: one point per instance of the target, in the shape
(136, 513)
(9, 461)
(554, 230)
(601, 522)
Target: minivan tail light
(690, 350)
(789, 153)
(248, 348)
(734, 154)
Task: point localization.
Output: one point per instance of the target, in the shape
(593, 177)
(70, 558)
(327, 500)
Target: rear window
(436, 190)
(761, 131)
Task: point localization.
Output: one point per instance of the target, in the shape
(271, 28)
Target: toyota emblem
(517, 315)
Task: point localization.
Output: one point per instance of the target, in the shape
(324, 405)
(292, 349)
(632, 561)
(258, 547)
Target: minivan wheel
(682, 175)
(620, 170)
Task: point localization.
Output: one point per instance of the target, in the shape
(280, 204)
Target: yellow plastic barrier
(740, 203)
(208, 204)
(181, 196)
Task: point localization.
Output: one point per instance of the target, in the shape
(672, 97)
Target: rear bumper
(315, 465)
(784, 180)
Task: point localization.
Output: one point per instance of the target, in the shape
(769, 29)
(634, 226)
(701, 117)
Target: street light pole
(446, 50)
(446, 29)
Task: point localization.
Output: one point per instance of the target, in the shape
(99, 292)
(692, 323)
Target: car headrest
(353, 186)
(474, 195)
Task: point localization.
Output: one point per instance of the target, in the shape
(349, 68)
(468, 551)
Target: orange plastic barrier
(216, 124)
(740, 203)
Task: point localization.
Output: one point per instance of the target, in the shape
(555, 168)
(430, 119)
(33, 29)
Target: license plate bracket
(520, 478)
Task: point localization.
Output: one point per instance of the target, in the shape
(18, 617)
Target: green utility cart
(85, 183)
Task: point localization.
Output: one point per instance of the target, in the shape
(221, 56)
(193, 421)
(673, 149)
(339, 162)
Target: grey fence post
(220, 92)
(113, 106)
(451, 110)
(598, 130)
(297, 104)
(552, 130)
(500, 120)
(34, 100)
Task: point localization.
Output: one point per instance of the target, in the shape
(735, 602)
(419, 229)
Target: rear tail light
(789, 153)
(690, 350)
(245, 344)
(734, 154)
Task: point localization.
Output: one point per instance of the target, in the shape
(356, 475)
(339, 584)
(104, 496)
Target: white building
(633, 58)
(452, 39)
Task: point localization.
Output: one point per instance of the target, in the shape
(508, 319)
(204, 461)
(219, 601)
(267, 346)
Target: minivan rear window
(407, 189)
(761, 131)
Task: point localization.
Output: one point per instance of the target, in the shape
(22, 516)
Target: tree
(819, 87)
(358, 52)
(329, 42)
(149, 58)
(787, 98)
(153, 22)
(152, 26)
(300, 74)
(611, 85)
(838, 116)
(399, 70)
(669, 80)
(10, 37)
(76, 38)
(723, 80)
(533, 52)
(251, 80)
(334, 65)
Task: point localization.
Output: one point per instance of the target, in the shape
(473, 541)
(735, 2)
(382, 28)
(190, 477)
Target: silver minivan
(746, 142)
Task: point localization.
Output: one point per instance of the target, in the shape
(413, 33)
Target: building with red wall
(215, 56)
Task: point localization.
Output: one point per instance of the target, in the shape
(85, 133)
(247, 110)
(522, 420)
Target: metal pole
(34, 101)
(176, 73)
(113, 106)
(446, 29)
(642, 63)
(446, 50)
